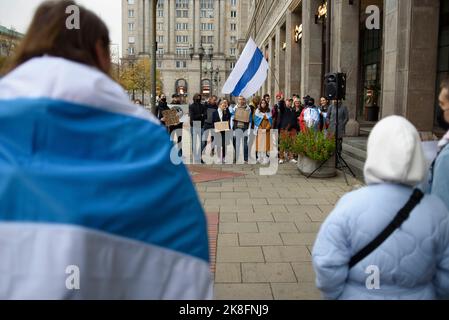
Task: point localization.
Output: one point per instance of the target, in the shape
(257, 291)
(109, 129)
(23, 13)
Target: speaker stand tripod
(340, 163)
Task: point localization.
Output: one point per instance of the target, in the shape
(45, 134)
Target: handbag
(397, 222)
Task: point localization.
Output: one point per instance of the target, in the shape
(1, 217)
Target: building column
(312, 51)
(292, 56)
(410, 60)
(171, 26)
(277, 61)
(272, 72)
(280, 59)
(223, 19)
(345, 39)
(148, 26)
(166, 22)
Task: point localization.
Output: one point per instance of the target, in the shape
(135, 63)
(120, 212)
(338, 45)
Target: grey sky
(18, 14)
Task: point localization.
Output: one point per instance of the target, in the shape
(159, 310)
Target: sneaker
(294, 161)
(281, 161)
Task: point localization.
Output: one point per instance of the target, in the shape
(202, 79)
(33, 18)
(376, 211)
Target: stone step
(355, 165)
(359, 142)
(354, 152)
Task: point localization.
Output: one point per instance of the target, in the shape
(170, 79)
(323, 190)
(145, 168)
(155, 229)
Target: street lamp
(210, 56)
(201, 56)
(217, 77)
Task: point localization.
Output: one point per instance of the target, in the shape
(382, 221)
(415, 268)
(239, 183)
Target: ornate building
(188, 31)
(395, 67)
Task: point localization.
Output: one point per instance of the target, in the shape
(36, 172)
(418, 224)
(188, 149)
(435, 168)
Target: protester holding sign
(221, 119)
(241, 119)
(263, 122)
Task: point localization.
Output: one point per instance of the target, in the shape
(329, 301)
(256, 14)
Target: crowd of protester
(288, 116)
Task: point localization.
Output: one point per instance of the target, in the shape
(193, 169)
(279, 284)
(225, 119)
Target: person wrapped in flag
(263, 122)
(91, 204)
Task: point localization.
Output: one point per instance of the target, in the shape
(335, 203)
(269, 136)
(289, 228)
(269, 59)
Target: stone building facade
(183, 25)
(399, 64)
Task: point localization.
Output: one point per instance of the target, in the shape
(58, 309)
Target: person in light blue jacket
(413, 263)
(439, 184)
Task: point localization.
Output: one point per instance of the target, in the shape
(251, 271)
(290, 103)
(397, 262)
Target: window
(182, 8)
(184, 52)
(160, 4)
(233, 3)
(160, 13)
(207, 8)
(159, 64)
(233, 14)
(207, 39)
(233, 39)
(131, 51)
(232, 51)
(160, 26)
(131, 40)
(160, 39)
(160, 51)
(182, 13)
(131, 26)
(181, 64)
(182, 26)
(232, 65)
(207, 26)
(233, 27)
(182, 39)
(131, 13)
(182, 4)
(131, 1)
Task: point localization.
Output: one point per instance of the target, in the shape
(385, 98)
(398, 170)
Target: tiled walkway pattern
(266, 230)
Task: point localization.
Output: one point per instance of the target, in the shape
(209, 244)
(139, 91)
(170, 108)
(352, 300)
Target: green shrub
(286, 142)
(314, 145)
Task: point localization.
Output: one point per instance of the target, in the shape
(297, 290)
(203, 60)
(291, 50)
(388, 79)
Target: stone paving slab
(266, 229)
(247, 291)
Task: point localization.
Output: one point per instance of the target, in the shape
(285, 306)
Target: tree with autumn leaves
(134, 76)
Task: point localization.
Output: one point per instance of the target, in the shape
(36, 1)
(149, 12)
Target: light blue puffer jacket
(413, 262)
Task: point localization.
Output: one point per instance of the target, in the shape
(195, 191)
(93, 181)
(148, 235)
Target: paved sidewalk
(267, 227)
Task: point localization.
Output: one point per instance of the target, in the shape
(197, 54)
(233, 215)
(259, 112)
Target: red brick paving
(203, 174)
(212, 221)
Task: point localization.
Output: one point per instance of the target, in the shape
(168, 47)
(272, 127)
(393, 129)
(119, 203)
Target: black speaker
(335, 86)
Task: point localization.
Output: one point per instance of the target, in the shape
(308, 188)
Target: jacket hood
(395, 153)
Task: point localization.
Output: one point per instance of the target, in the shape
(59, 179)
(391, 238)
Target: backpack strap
(397, 222)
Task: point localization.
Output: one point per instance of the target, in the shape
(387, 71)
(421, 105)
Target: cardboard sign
(221, 126)
(242, 115)
(171, 118)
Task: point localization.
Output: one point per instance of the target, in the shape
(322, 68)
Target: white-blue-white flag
(249, 74)
(91, 205)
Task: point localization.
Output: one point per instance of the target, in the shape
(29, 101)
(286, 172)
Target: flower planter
(307, 166)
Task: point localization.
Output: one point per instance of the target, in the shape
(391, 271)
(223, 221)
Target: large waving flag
(91, 206)
(249, 74)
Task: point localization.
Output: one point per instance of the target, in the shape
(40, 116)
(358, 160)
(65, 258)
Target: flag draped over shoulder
(259, 117)
(86, 180)
(249, 74)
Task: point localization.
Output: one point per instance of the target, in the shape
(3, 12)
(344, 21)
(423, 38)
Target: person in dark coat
(162, 106)
(197, 111)
(222, 115)
(211, 107)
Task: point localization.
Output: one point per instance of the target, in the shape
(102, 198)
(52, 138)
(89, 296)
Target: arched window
(181, 87)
